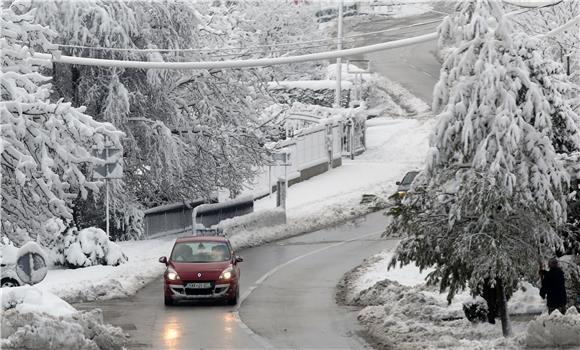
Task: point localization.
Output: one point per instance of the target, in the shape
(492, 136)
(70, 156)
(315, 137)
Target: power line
(237, 63)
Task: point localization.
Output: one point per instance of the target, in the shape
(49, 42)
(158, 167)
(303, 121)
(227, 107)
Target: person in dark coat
(553, 287)
(490, 296)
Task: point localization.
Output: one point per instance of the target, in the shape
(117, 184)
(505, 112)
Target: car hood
(190, 271)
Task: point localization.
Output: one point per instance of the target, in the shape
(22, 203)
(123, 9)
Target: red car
(202, 268)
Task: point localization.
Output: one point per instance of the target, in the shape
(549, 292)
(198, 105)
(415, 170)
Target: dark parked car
(405, 184)
(202, 268)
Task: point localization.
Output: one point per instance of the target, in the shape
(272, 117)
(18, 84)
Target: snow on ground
(400, 311)
(33, 318)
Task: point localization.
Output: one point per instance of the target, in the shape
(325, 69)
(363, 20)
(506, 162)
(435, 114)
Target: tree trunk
(506, 326)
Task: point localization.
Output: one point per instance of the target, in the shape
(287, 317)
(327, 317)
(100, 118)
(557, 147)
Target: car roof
(201, 239)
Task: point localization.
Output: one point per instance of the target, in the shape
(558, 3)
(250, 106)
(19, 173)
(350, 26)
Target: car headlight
(402, 194)
(227, 273)
(171, 274)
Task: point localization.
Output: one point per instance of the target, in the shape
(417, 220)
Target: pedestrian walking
(553, 287)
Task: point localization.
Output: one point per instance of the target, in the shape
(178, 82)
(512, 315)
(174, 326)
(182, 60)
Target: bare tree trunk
(506, 326)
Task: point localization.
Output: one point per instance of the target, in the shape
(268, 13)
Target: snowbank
(554, 330)
(37, 319)
(253, 221)
(400, 310)
(383, 94)
(30, 299)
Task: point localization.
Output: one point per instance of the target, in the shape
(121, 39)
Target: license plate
(198, 285)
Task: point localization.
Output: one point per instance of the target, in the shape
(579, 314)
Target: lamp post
(338, 59)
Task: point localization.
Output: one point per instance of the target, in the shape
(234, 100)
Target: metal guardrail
(207, 215)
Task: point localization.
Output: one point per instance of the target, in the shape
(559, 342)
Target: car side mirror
(398, 183)
(163, 260)
(239, 259)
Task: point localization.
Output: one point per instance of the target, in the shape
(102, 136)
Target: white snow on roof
(31, 247)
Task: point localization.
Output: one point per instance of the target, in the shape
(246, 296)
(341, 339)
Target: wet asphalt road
(414, 67)
(293, 308)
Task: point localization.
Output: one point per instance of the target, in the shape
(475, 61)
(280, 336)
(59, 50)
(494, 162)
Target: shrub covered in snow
(315, 92)
(554, 330)
(88, 247)
(36, 319)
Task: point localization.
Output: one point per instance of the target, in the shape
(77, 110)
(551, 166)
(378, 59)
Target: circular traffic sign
(31, 263)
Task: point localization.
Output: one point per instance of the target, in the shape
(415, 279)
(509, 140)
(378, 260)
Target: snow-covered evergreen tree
(492, 197)
(46, 146)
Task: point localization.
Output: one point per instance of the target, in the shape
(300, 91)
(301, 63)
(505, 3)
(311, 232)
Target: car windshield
(200, 252)
(409, 177)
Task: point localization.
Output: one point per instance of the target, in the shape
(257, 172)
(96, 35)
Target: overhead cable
(237, 63)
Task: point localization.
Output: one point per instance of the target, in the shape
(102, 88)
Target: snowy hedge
(36, 319)
(315, 92)
(88, 247)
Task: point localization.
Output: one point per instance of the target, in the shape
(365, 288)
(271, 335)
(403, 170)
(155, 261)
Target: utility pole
(339, 60)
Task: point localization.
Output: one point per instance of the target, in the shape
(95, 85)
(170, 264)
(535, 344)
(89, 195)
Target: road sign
(282, 158)
(364, 66)
(113, 168)
(30, 263)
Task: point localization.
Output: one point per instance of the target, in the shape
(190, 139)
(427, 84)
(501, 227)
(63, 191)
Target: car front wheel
(168, 301)
(234, 300)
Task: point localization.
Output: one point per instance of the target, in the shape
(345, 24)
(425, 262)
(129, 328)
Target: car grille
(189, 291)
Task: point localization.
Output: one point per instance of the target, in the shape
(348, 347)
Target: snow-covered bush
(314, 92)
(88, 247)
(36, 319)
(554, 330)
